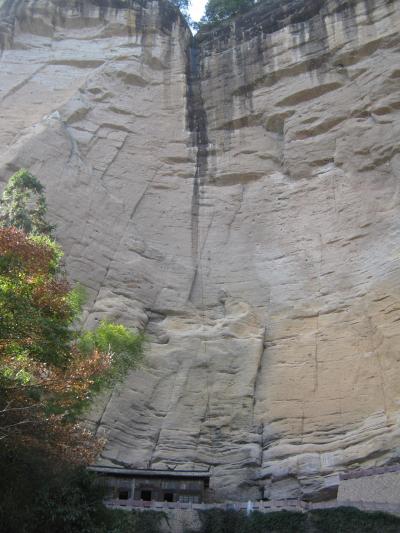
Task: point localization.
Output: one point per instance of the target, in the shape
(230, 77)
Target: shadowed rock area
(237, 195)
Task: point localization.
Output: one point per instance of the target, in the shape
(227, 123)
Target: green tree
(40, 352)
(218, 11)
(122, 345)
(49, 372)
(23, 205)
(183, 6)
(42, 494)
(36, 305)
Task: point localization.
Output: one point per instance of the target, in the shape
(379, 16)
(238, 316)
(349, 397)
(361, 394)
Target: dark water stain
(168, 14)
(269, 17)
(266, 18)
(197, 124)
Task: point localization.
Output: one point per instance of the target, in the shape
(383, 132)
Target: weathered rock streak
(238, 196)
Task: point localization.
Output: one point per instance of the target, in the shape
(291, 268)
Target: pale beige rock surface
(380, 489)
(268, 279)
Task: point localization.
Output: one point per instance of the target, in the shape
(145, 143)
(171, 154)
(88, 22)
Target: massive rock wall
(238, 196)
(299, 217)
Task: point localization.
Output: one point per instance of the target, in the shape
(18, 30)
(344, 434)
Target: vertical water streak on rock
(197, 124)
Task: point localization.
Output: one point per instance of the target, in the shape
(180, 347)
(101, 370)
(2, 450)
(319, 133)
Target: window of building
(123, 494)
(145, 495)
(168, 497)
(189, 498)
(170, 484)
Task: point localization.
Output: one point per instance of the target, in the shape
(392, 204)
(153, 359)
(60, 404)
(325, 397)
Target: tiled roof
(146, 472)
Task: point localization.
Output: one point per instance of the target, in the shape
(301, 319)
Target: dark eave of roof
(143, 472)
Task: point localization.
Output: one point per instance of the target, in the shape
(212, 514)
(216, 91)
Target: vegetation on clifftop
(219, 11)
(183, 6)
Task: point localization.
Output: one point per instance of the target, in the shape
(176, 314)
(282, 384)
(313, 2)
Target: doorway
(145, 495)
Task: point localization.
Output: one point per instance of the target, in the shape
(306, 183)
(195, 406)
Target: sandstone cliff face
(238, 197)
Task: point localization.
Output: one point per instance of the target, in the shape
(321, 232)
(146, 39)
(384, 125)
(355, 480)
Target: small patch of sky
(196, 9)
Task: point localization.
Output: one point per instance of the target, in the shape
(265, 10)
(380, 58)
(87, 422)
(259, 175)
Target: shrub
(135, 521)
(352, 520)
(36, 312)
(342, 519)
(218, 11)
(40, 362)
(41, 494)
(23, 204)
(46, 380)
(123, 345)
(217, 521)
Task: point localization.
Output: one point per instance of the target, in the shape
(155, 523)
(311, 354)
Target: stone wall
(238, 197)
(379, 488)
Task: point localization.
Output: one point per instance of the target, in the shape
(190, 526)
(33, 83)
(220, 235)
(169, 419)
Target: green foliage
(216, 521)
(36, 314)
(23, 205)
(136, 521)
(342, 519)
(217, 11)
(57, 253)
(40, 494)
(43, 495)
(183, 6)
(38, 310)
(45, 380)
(122, 344)
(77, 298)
(352, 520)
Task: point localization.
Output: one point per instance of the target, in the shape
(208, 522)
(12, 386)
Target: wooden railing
(235, 506)
(263, 507)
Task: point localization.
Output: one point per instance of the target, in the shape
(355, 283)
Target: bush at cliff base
(339, 520)
(352, 520)
(41, 494)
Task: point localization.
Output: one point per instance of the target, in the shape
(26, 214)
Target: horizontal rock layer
(238, 196)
